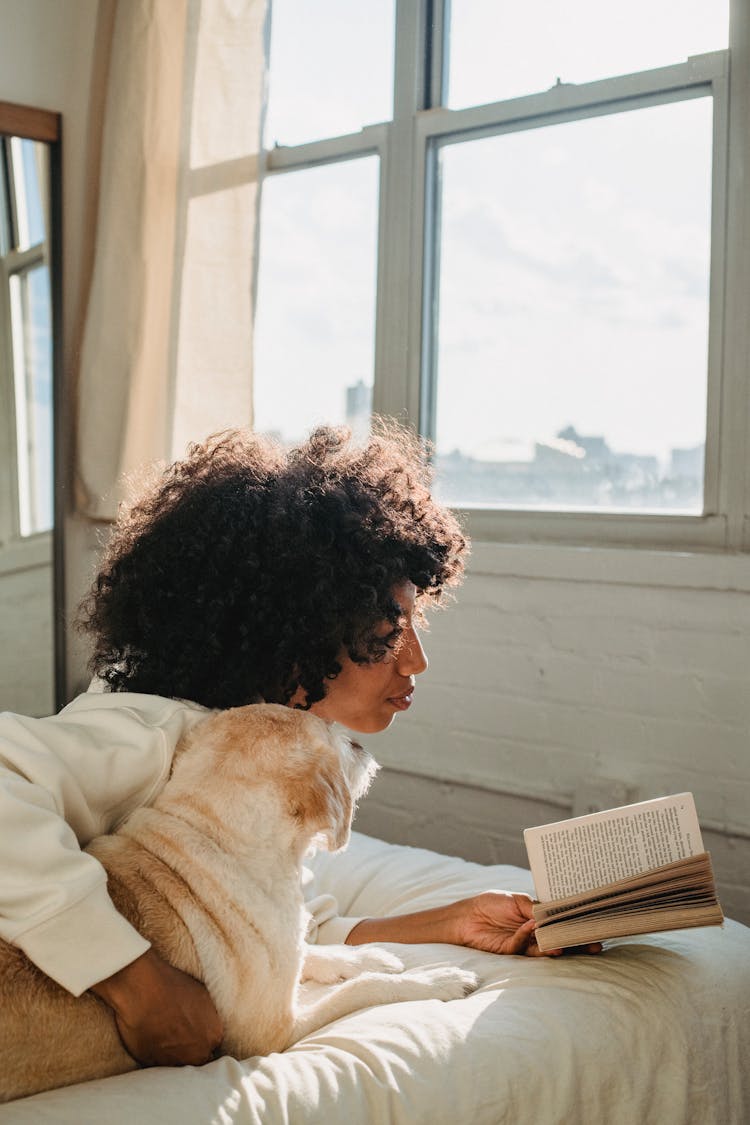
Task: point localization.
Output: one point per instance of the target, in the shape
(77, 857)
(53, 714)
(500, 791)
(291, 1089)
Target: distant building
(595, 448)
(687, 462)
(572, 470)
(358, 409)
(562, 454)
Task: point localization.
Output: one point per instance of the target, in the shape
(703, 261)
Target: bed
(657, 1029)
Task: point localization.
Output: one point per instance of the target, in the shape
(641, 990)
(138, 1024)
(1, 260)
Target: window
(25, 306)
(513, 225)
(319, 241)
(332, 66)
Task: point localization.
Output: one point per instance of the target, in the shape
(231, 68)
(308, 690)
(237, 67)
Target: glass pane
(32, 363)
(573, 313)
(29, 175)
(315, 322)
(331, 68)
(504, 49)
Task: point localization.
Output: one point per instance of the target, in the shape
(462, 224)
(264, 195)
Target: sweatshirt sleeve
(63, 781)
(326, 926)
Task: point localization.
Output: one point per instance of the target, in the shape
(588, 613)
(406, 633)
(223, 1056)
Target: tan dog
(210, 875)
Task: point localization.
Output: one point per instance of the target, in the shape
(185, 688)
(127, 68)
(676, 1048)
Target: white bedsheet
(657, 1029)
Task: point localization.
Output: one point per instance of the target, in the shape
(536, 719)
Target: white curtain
(166, 354)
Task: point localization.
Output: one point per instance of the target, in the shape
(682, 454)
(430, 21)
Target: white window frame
(9, 493)
(15, 500)
(404, 386)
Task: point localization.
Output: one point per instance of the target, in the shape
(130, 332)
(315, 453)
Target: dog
(210, 874)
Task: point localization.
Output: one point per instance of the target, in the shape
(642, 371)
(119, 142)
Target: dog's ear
(324, 802)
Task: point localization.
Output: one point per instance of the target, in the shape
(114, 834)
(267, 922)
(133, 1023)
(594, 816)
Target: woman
(244, 573)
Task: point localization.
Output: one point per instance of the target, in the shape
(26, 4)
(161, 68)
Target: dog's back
(209, 875)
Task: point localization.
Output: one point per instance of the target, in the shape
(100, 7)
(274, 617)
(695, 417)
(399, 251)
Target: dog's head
(292, 759)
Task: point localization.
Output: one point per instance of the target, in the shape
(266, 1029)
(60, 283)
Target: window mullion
(8, 502)
(411, 68)
(292, 158)
(735, 408)
(718, 491)
(563, 103)
(21, 261)
(426, 255)
(19, 324)
(396, 387)
(438, 18)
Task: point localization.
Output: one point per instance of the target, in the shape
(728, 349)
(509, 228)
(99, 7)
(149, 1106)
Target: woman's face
(366, 697)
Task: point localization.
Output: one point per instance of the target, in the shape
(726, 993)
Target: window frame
(17, 501)
(404, 383)
(9, 494)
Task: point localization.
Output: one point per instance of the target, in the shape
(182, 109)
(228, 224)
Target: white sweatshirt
(63, 781)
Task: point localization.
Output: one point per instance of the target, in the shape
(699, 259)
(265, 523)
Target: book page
(575, 855)
(686, 880)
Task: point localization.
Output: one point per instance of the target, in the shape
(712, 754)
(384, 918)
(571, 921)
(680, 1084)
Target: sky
(574, 260)
(574, 283)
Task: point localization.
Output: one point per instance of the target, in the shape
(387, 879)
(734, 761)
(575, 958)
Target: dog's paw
(334, 963)
(448, 983)
(373, 960)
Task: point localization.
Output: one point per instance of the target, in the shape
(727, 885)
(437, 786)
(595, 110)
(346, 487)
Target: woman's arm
(63, 780)
(164, 1017)
(494, 921)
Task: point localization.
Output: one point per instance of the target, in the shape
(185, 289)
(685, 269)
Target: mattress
(655, 1029)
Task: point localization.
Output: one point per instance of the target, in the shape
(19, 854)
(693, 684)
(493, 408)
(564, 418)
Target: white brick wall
(26, 640)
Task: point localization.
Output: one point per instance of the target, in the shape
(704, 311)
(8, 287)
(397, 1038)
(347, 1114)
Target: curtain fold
(166, 355)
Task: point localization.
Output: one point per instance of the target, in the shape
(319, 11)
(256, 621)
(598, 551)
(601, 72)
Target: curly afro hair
(247, 569)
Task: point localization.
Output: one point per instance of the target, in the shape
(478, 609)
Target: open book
(633, 870)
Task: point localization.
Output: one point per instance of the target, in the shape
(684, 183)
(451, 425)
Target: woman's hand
(503, 922)
(494, 921)
(164, 1017)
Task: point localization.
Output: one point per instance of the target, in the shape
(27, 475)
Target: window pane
(29, 164)
(503, 49)
(315, 323)
(573, 313)
(331, 68)
(32, 364)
